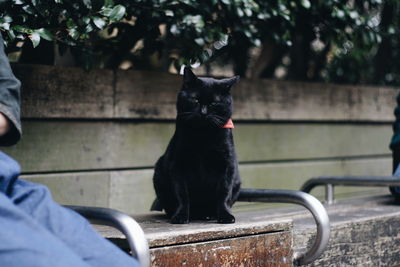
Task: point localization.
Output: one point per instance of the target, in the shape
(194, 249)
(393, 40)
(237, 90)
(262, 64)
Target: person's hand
(4, 124)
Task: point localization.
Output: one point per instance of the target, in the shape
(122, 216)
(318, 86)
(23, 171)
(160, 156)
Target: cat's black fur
(197, 177)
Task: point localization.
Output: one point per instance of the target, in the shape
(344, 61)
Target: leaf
(117, 13)
(306, 3)
(5, 26)
(20, 28)
(240, 12)
(28, 9)
(353, 14)
(339, 13)
(35, 38)
(248, 12)
(6, 19)
(11, 34)
(86, 20)
(169, 13)
(71, 23)
(247, 33)
(24, 17)
(378, 38)
(174, 29)
(99, 22)
(45, 34)
(199, 41)
(263, 16)
(73, 33)
(196, 20)
(88, 28)
(106, 11)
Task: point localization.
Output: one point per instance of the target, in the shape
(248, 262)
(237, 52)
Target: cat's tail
(156, 206)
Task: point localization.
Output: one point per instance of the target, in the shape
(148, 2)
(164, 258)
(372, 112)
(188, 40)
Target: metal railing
(126, 224)
(331, 181)
(306, 200)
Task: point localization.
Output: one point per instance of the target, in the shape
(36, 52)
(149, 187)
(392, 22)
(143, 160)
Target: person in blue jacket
(35, 231)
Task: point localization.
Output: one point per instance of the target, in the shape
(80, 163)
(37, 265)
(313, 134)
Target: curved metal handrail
(306, 200)
(351, 181)
(126, 224)
(330, 181)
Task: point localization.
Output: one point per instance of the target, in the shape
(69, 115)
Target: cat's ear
(229, 82)
(189, 78)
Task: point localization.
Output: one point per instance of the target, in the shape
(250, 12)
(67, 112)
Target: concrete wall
(93, 137)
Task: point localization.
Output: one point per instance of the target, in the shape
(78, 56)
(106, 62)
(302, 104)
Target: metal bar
(351, 181)
(329, 194)
(126, 224)
(306, 200)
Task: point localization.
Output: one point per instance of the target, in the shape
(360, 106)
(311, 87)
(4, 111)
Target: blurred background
(338, 41)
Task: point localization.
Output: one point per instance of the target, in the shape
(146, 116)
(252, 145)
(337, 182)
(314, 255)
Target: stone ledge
(160, 232)
(364, 232)
(251, 242)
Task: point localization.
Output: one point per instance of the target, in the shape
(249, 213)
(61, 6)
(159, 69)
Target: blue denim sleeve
(26, 243)
(9, 98)
(33, 225)
(9, 172)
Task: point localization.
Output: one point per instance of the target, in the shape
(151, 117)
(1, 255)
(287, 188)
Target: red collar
(228, 124)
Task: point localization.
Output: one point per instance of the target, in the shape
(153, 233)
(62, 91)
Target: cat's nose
(204, 110)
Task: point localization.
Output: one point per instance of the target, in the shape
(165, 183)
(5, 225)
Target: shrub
(332, 40)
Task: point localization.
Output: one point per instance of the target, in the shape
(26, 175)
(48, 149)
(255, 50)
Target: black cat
(197, 177)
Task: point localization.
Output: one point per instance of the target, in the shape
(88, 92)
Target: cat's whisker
(216, 121)
(220, 117)
(185, 115)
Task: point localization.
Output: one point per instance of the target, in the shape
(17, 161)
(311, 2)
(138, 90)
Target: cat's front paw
(180, 219)
(226, 217)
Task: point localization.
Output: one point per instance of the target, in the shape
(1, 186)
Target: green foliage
(69, 22)
(331, 40)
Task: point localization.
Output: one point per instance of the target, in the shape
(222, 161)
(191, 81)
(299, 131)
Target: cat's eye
(194, 99)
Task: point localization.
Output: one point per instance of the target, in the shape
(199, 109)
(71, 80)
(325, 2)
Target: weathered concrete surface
(364, 232)
(61, 92)
(141, 94)
(160, 232)
(93, 145)
(277, 100)
(270, 250)
(131, 191)
(248, 242)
